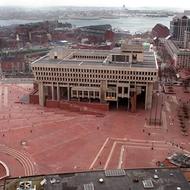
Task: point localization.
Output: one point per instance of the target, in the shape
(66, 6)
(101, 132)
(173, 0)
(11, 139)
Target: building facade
(124, 74)
(160, 31)
(187, 40)
(180, 57)
(13, 64)
(178, 26)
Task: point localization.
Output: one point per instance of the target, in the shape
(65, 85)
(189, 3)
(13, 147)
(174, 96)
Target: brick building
(160, 31)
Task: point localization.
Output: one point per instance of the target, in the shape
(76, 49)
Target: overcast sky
(184, 4)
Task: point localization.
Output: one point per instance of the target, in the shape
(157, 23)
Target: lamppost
(162, 105)
(157, 96)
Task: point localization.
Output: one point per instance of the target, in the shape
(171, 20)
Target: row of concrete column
(55, 96)
(148, 96)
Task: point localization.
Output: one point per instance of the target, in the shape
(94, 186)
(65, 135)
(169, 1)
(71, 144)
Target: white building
(125, 74)
(180, 56)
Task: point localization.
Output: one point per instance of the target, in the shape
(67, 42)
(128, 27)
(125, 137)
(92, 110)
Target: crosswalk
(113, 152)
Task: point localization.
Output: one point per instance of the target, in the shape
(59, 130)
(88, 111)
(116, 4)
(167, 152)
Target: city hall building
(122, 76)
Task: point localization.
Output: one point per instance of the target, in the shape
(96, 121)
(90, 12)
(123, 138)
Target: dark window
(96, 94)
(127, 58)
(85, 93)
(125, 90)
(91, 93)
(119, 90)
(134, 57)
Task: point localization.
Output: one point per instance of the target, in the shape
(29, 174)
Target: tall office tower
(187, 40)
(178, 26)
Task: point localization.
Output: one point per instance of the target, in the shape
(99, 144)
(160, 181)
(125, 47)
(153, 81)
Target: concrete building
(187, 12)
(177, 45)
(179, 56)
(178, 26)
(187, 40)
(122, 76)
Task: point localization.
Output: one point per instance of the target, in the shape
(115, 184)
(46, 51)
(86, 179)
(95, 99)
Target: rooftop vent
(52, 180)
(114, 173)
(136, 180)
(101, 180)
(44, 181)
(148, 184)
(25, 185)
(156, 176)
(89, 186)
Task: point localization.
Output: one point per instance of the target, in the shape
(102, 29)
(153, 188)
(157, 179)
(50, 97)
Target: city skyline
(183, 4)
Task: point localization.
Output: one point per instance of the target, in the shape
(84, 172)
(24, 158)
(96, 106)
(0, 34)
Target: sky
(183, 4)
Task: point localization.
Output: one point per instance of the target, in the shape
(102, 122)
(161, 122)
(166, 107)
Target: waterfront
(132, 24)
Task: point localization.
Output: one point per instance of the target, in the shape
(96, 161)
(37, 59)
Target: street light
(157, 95)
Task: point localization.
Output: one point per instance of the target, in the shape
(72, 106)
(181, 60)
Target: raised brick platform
(77, 106)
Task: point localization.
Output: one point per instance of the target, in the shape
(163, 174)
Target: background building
(180, 57)
(178, 26)
(160, 31)
(187, 40)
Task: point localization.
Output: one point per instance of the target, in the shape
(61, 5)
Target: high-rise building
(187, 40)
(178, 26)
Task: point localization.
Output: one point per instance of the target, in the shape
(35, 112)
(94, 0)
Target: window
(119, 90)
(85, 93)
(134, 57)
(125, 90)
(97, 94)
(127, 58)
(91, 93)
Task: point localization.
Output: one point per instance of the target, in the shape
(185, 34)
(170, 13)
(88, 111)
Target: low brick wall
(52, 104)
(77, 106)
(71, 105)
(33, 99)
(68, 106)
(83, 106)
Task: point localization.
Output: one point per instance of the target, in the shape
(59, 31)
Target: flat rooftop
(116, 179)
(149, 60)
